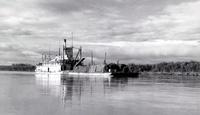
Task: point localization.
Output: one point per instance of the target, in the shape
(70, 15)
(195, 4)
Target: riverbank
(18, 67)
(172, 75)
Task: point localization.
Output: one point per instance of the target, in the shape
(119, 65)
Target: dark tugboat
(120, 70)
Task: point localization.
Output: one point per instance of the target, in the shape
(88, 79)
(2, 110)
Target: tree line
(192, 66)
(17, 67)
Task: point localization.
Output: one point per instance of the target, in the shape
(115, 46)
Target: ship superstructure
(65, 62)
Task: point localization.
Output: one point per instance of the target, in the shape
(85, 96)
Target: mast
(80, 52)
(92, 62)
(45, 58)
(62, 67)
(105, 58)
(49, 55)
(59, 49)
(72, 45)
(42, 58)
(118, 62)
(72, 40)
(59, 52)
(63, 53)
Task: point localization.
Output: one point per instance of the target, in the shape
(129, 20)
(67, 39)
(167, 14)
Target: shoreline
(171, 75)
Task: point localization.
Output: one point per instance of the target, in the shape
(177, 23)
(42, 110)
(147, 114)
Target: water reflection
(74, 88)
(87, 95)
(49, 83)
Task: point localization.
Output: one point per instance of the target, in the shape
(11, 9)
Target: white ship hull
(74, 73)
(50, 68)
(56, 69)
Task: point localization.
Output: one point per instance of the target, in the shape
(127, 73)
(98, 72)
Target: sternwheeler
(68, 63)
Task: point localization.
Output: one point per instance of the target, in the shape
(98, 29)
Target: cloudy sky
(136, 31)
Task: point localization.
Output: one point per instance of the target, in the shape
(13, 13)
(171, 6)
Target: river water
(23, 93)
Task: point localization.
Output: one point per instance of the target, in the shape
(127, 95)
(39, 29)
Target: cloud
(129, 30)
(13, 53)
(147, 51)
(180, 22)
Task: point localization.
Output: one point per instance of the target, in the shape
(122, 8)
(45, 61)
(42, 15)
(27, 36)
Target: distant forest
(192, 66)
(17, 67)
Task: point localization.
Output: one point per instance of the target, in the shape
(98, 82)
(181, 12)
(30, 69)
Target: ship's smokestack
(65, 42)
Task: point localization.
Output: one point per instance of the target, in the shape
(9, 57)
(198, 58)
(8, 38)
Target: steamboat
(68, 63)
